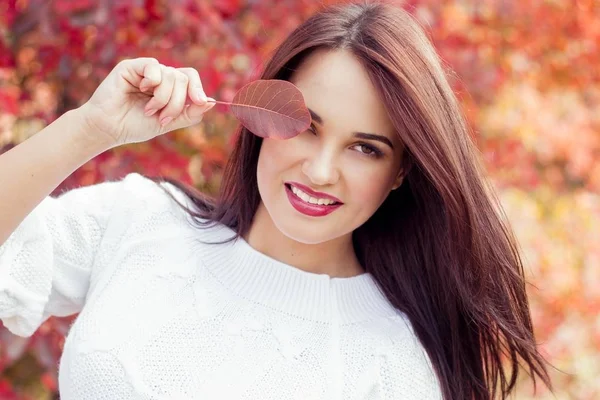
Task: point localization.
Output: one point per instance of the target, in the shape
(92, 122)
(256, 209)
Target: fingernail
(150, 112)
(202, 95)
(165, 121)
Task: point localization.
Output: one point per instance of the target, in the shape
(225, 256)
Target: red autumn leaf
(64, 7)
(9, 102)
(228, 8)
(49, 381)
(271, 108)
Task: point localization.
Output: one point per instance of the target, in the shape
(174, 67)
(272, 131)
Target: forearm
(32, 170)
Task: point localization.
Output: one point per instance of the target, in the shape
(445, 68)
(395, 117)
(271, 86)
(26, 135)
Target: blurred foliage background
(526, 71)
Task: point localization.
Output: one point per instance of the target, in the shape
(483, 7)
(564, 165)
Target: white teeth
(305, 197)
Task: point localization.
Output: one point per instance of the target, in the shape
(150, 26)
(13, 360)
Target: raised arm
(48, 245)
(139, 100)
(32, 170)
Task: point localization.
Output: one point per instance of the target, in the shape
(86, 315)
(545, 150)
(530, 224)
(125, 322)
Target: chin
(303, 232)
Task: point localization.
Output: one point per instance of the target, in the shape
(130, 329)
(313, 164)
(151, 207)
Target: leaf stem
(220, 102)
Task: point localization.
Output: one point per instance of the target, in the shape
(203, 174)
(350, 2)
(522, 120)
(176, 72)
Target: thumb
(196, 111)
(191, 115)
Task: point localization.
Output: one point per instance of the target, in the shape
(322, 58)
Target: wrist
(85, 135)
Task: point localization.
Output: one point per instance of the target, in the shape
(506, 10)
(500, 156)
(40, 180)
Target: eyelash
(373, 151)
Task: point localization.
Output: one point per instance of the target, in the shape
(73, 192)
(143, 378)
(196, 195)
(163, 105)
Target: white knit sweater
(164, 316)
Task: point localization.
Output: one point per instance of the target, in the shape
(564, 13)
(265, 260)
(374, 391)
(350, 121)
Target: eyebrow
(362, 135)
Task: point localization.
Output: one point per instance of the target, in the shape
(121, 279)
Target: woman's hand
(141, 99)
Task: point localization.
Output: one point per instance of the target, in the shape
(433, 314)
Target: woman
(365, 258)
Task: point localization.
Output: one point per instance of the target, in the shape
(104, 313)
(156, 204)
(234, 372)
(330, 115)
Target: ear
(398, 181)
(404, 170)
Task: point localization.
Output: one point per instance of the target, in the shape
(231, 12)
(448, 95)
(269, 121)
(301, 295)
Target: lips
(313, 193)
(312, 210)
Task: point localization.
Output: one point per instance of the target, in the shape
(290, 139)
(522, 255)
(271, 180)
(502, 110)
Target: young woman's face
(351, 153)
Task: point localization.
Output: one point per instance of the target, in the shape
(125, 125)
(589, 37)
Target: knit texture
(164, 316)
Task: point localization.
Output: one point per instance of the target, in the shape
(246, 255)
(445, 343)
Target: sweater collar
(261, 279)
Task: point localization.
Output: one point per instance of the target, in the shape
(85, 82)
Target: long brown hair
(439, 246)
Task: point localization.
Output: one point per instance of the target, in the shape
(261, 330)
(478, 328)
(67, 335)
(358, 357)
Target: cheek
(369, 187)
(276, 156)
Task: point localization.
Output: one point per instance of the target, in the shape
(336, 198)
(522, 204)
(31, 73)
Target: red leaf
(9, 102)
(228, 8)
(271, 108)
(63, 7)
(49, 381)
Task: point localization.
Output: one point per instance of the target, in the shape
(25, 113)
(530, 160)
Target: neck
(335, 258)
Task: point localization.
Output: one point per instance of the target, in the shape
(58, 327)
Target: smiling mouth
(306, 198)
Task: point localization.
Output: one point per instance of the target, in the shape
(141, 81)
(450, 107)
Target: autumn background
(526, 71)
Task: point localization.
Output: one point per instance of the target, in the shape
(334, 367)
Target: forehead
(337, 87)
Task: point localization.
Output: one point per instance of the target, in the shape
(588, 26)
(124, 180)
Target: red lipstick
(310, 192)
(312, 210)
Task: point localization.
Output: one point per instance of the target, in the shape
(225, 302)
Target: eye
(369, 150)
(312, 128)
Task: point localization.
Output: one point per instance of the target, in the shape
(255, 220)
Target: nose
(321, 168)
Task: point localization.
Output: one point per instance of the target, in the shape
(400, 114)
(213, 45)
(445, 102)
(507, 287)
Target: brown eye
(369, 150)
(366, 149)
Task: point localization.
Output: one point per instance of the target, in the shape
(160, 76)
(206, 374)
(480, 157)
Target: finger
(162, 93)
(152, 77)
(177, 101)
(145, 86)
(132, 70)
(195, 89)
(191, 115)
(195, 113)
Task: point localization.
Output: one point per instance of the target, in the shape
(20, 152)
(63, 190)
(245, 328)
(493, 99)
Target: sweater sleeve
(45, 264)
